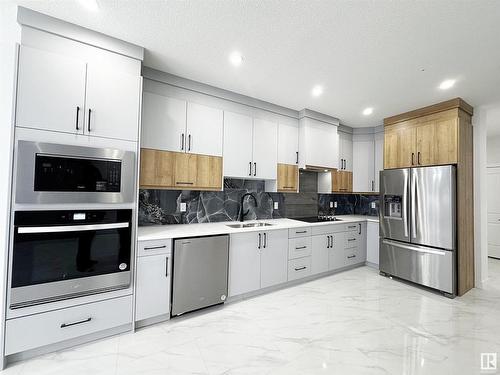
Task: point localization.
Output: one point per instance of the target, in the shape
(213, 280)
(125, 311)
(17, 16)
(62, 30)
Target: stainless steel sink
(249, 225)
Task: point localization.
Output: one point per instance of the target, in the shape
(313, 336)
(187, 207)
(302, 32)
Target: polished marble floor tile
(355, 322)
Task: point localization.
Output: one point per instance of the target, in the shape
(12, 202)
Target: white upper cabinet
(50, 91)
(112, 104)
(379, 158)
(163, 122)
(363, 178)
(265, 149)
(172, 124)
(250, 147)
(288, 141)
(238, 135)
(345, 151)
(204, 130)
(64, 94)
(318, 144)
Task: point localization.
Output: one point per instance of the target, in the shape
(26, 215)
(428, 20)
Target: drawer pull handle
(351, 239)
(301, 247)
(155, 247)
(184, 183)
(288, 187)
(300, 232)
(351, 226)
(65, 325)
(351, 256)
(300, 268)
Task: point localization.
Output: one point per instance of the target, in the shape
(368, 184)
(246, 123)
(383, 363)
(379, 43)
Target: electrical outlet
(331, 204)
(276, 205)
(374, 205)
(183, 207)
(335, 205)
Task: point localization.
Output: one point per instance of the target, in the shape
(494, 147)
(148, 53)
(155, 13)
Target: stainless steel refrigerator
(418, 226)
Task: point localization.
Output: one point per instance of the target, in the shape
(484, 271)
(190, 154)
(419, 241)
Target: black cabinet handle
(259, 241)
(182, 142)
(265, 240)
(327, 242)
(351, 256)
(351, 239)
(155, 247)
(301, 247)
(166, 268)
(65, 325)
(189, 142)
(88, 126)
(300, 268)
(255, 169)
(297, 162)
(77, 115)
(418, 158)
(412, 158)
(250, 165)
(183, 183)
(345, 164)
(359, 228)
(300, 232)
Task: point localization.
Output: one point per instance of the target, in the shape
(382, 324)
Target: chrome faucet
(243, 214)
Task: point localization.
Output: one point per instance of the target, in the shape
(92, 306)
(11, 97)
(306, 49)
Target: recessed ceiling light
(368, 111)
(90, 5)
(446, 84)
(236, 58)
(317, 90)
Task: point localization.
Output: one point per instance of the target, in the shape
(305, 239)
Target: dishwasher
(200, 272)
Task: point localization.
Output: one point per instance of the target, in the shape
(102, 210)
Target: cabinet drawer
(352, 227)
(494, 218)
(299, 268)
(351, 240)
(352, 256)
(38, 330)
(299, 247)
(299, 232)
(155, 247)
(328, 229)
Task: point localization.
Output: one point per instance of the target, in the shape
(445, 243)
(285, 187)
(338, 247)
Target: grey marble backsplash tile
(163, 206)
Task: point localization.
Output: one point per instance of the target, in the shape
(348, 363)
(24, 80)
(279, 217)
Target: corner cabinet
(63, 94)
(440, 134)
(250, 147)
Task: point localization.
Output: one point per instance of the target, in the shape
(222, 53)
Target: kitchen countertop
(157, 232)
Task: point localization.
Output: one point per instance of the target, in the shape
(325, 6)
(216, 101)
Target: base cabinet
(34, 331)
(372, 242)
(320, 250)
(257, 260)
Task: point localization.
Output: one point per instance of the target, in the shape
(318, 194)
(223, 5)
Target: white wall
(485, 117)
(493, 149)
(9, 36)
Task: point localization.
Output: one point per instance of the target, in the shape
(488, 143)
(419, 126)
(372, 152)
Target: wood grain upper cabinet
(399, 147)
(112, 104)
(288, 178)
(179, 170)
(50, 91)
(204, 130)
(163, 122)
(341, 181)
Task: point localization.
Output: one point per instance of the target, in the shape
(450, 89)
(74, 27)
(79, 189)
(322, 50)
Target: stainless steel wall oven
(64, 254)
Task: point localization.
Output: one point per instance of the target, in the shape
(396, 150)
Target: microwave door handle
(72, 228)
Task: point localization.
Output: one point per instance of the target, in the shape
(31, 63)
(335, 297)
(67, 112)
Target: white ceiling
(364, 53)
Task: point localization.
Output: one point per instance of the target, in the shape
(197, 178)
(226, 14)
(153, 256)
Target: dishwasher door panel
(200, 273)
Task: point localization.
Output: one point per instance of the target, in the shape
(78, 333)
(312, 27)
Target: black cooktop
(317, 219)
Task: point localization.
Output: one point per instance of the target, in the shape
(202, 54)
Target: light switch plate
(335, 204)
(183, 207)
(276, 205)
(331, 204)
(374, 205)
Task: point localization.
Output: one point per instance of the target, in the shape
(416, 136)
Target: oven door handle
(72, 228)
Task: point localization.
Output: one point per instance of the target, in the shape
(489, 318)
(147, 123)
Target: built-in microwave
(64, 254)
(53, 173)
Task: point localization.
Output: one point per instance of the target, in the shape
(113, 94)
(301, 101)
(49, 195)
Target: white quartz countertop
(157, 232)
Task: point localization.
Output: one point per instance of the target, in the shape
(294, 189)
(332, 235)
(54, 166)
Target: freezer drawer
(200, 273)
(423, 265)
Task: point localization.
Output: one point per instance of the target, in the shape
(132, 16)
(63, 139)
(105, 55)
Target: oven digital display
(79, 216)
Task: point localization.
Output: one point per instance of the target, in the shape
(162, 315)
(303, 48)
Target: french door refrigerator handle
(413, 204)
(406, 192)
